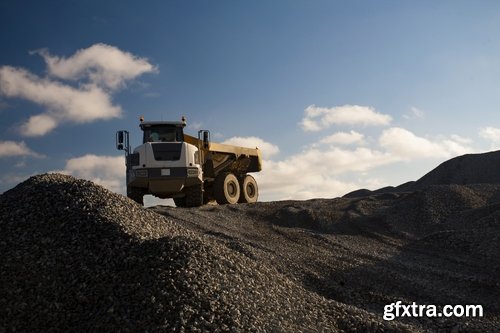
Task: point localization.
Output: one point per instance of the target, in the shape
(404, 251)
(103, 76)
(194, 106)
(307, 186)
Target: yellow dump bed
(223, 156)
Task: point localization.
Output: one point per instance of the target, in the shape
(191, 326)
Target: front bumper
(165, 182)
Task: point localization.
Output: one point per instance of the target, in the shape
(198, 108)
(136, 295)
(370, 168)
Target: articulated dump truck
(192, 171)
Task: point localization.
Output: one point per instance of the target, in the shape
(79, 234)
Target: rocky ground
(436, 246)
(76, 257)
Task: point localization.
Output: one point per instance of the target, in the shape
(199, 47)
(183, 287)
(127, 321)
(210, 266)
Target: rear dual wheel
(249, 190)
(228, 189)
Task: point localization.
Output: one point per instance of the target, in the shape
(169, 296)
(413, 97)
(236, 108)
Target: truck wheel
(136, 194)
(249, 190)
(208, 192)
(194, 196)
(206, 198)
(180, 202)
(226, 189)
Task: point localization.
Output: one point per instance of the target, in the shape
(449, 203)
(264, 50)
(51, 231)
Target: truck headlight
(141, 173)
(192, 172)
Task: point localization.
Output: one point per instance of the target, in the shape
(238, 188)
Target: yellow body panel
(217, 149)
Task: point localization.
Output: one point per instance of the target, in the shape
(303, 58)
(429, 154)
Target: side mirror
(122, 140)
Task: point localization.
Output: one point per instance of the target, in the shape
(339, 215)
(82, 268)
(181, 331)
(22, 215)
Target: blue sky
(338, 94)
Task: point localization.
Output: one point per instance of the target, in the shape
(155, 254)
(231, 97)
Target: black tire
(180, 202)
(226, 189)
(194, 196)
(206, 198)
(136, 194)
(208, 192)
(249, 189)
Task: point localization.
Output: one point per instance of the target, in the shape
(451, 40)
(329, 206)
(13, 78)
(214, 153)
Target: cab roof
(146, 124)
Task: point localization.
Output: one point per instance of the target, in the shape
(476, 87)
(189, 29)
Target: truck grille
(167, 151)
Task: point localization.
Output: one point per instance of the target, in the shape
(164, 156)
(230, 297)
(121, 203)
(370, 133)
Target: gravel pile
(462, 170)
(76, 257)
(462, 219)
(439, 245)
(466, 169)
(426, 211)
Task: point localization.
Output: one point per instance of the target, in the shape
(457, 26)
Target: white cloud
(491, 134)
(331, 161)
(309, 186)
(64, 103)
(99, 68)
(329, 171)
(460, 139)
(102, 64)
(267, 149)
(311, 173)
(108, 171)
(344, 138)
(405, 145)
(38, 125)
(317, 173)
(12, 148)
(319, 118)
(414, 113)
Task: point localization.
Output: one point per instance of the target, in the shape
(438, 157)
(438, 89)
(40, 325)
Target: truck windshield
(163, 134)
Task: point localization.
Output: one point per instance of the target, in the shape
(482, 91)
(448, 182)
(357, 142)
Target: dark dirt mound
(462, 170)
(466, 169)
(426, 211)
(435, 246)
(76, 257)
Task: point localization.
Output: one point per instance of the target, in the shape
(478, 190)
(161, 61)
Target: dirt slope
(466, 169)
(77, 257)
(462, 170)
(437, 246)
